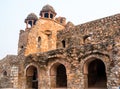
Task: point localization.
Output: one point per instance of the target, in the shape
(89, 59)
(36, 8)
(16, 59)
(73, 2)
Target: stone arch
(58, 75)
(87, 62)
(90, 60)
(32, 76)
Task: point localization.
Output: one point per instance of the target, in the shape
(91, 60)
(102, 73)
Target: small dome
(31, 16)
(47, 8)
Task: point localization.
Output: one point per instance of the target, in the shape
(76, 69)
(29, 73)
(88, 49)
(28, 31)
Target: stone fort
(55, 54)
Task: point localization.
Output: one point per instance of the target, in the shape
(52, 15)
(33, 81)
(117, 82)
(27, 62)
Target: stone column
(32, 23)
(53, 81)
(74, 81)
(114, 74)
(26, 24)
(85, 81)
(43, 14)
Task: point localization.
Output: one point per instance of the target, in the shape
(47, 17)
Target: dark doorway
(61, 77)
(32, 77)
(97, 74)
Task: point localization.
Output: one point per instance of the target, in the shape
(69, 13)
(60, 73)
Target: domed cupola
(48, 12)
(31, 20)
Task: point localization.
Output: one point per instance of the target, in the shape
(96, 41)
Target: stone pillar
(42, 15)
(53, 81)
(74, 81)
(26, 24)
(32, 23)
(85, 81)
(114, 74)
(54, 16)
(49, 15)
(24, 83)
(43, 79)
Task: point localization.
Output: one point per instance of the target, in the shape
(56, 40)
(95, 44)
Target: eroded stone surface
(51, 45)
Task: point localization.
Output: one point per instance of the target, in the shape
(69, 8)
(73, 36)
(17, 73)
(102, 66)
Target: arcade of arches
(53, 53)
(96, 75)
(58, 77)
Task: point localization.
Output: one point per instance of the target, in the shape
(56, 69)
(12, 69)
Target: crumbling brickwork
(53, 54)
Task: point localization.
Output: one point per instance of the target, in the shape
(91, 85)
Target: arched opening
(46, 15)
(5, 73)
(30, 24)
(61, 78)
(58, 76)
(32, 77)
(39, 42)
(96, 74)
(63, 43)
(51, 16)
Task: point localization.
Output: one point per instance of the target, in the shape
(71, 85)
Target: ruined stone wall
(74, 60)
(9, 72)
(98, 31)
(42, 36)
(50, 43)
(22, 43)
(114, 76)
(83, 43)
(97, 36)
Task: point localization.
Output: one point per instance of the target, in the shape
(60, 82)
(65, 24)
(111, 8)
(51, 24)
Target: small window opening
(46, 15)
(5, 73)
(22, 47)
(30, 24)
(39, 42)
(51, 16)
(63, 43)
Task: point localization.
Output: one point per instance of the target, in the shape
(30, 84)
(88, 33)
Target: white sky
(13, 13)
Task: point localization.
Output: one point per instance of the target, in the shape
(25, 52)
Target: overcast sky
(13, 13)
